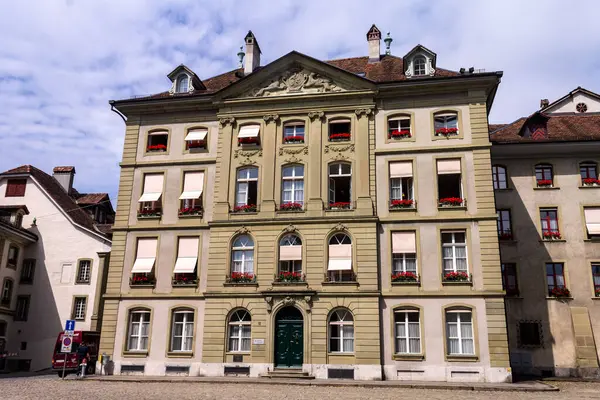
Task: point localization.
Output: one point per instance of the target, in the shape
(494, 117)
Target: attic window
(419, 66)
(581, 107)
(182, 84)
(361, 74)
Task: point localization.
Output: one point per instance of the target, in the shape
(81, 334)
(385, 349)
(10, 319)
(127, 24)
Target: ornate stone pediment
(293, 82)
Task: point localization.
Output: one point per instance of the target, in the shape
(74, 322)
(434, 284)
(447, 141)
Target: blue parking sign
(70, 325)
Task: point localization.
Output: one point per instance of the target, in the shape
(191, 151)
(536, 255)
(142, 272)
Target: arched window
(242, 255)
(246, 192)
(290, 259)
(292, 187)
(544, 175)
(459, 332)
(499, 177)
(340, 185)
(239, 331)
(138, 332)
(7, 289)
(341, 332)
(182, 330)
(589, 173)
(407, 331)
(445, 123)
(339, 266)
(419, 66)
(182, 83)
(339, 130)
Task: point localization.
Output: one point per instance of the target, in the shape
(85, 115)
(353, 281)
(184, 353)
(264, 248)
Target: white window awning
(401, 169)
(592, 220)
(249, 131)
(404, 242)
(190, 195)
(290, 253)
(185, 265)
(339, 264)
(445, 167)
(197, 134)
(193, 184)
(150, 197)
(143, 265)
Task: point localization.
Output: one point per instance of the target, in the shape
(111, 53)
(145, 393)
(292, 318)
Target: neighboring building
(545, 170)
(54, 256)
(254, 232)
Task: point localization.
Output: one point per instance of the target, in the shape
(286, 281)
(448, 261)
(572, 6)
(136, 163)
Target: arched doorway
(289, 338)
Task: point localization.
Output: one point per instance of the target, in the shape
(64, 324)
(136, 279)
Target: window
(499, 177)
(191, 196)
(196, 139)
(182, 84)
(341, 332)
(339, 131)
(292, 191)
(182, 331)
(530, 334)
(555, 277)
(399, 128)
(509, 279)
(22, 309)
(408, 331)
(84, 271)
(247, 187)
(549, 222)
(7, 289)
(157, 141)
(293, 133)
(240, 328)
(419, 66)
(150, 204)
(339, 267)
(13, 257)
(445, 124)
(249, 134)
(504, 227)
(544, 175)
(454, 251)
(185, 270)
(449, 182)
(79, 306)
(401, 184)
(3, 328)
(28, 271)
(144, 259)
(242, 255)
(459, 327)
(589, 173)
(404, 252)
(290, 255)
(340, 185)
(596, 278)
(138, 331)
(16, 187)
(592, 222)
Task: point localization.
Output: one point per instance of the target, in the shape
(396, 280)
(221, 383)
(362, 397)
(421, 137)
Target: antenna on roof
(388, 41)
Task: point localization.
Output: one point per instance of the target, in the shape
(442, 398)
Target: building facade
(53, 257)
(309, 217)
(546, 180)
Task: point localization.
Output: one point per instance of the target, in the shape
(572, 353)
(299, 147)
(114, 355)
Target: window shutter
(401, 169)
(445, 167)
(290, 253)
(404, 242)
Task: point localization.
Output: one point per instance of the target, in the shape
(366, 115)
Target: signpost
(67, 342)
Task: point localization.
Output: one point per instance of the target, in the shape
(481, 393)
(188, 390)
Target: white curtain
(299, 193)
(241, 197)
(348, 337)
(245, 337)
(461, 258)
(396, 188)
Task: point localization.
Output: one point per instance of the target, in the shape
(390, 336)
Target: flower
(551, 235)
(293, 139)
(456, 276)
(398, 134)
(290, 207)
(560, 292)
(286, 276)
(141, 279)
(248, 140)
(339, 136)
(241, 277)
(339, 204)
(404, 277)
(544, 182)
(446, 131)
(245, 208)
(591, 181)
(451, 201)
(190, 211)
(157, 147)
(194, 144)
(597, 292)
(401, 203)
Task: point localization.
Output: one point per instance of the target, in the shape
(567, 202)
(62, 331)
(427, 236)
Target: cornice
(168, 163)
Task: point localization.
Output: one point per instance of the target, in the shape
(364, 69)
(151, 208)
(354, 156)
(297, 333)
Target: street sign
(67, 343)
(70, 325)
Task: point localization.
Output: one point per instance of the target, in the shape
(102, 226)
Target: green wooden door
(289, 341)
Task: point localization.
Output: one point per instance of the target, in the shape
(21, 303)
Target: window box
(451, 202)
(551, 235)
(456, 277)
(293, 139)
(191, 211)
(591, 182)
(290, 207)
(405, 277)
(340, 205)
(446, 132)
(544, 183)
(505, 235)
(399, 134)
(399, 204)
(185, 280)
(344, 277)
(157, 148)
(195, 144)
(247, 208)
(597, 292)
(559, 292)
(248, 140)
(290, 277)
(149, 214)
(142, 280)
(339, 137)
(240, 277)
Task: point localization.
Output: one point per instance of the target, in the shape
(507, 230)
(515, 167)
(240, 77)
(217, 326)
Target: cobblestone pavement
(50, 387)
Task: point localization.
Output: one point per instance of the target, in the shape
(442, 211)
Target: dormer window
(419, 66)
(182, 84)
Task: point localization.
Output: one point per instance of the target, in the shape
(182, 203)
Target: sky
(61, 61)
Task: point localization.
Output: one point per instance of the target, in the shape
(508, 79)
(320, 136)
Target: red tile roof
(559, 128)
(92, 198)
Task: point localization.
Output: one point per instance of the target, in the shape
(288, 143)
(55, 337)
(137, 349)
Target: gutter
(116, 111)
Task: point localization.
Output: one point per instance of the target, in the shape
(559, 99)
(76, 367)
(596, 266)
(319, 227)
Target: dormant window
(290, 254)
(150, 204)
(339, 130)
(509, 279)
(401, 184)
(28, 271)
(399, 127)
(341, 332)
(196, 139)
(449, 182)
(407, 331)
(15, 187)
(242, 255)
(293, 132)
(7, 289)
(419, 66)
(499, 177)
(340, 185)
(191, 196)
(459, 330)
(404, 252)
(555, 277)
(79, 306)
(182, 84)
(445, 124)
(454, 251)
(139, 330)
(240, 331)
(157, 141)
(544, 175)
(504, 227)
(13, 257)
(339, 267)
(247, 187)
(84, 271)
(592, 222)
(182, 331)
(549, 223)
(589, 173)
(292, 191)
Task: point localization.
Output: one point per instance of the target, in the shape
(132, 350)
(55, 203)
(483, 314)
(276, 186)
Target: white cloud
(61, 61)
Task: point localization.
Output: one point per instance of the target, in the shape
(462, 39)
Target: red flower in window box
(560, 292)
(401, 204)
(290, 207)
(245, 208)
(404, 277)
(551, 235)
(506, 235)
(249, 140)
(241, 277)
(451, 201)
(399, 134)
(184, 279)
(591, 182)
(339, 204)
(196, 144)
(544, 182)
(597, 292)
(290, 277)
(293, 139)
(149, 213)
(142, 279)
(339, 136)
(457, 277)
(191, 211)
(446, 131)
(157, 147)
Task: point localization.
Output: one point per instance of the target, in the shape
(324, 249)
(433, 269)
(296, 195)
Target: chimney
(374, 40)
(544, 103)
(252, 60)
(64, 176)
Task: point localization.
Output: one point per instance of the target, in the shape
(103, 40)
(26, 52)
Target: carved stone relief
(339, 148)
(296, 81)
(271, 118)
(289, 229)
(224, 121)
(316, 114)
(283, 150)
(247, 155)
(363, 111)
(285, 301)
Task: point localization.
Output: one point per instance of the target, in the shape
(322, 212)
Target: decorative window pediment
(184, 80)
(419, 62)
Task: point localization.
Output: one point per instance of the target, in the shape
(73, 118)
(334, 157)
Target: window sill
(595, 240)
(409, 283)
(149, 216)
(136, 354)
(350, 283)
(290, 284)
(596, 298)
(402, 209)
(185, 285)
(447, 137)
(83, 283)
(457, 283)
(156, 152)
(288, 212)
(547, 188)
(231, 284)
(294, 144)
(180, 354)
(446, 208)
(195, 150)
(340, 209)
(559, 298)
(243, 212)
(461, 358)
(147, 285)
(552, 240)
(590, 187)
(190, 216)
(408, 357)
